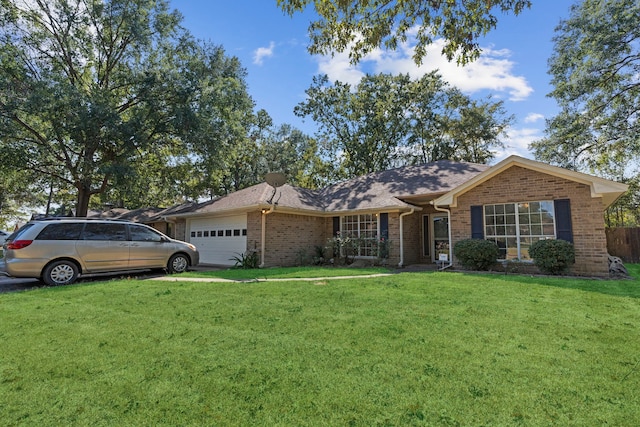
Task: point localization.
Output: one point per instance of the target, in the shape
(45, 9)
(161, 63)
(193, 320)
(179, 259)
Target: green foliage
(95, 89)
(247, 260)
(594, 71)
(476, 254)
(387, 121)
(345, 246)
(553, 256)
(320, 255)
(359, 27)
(384, 248)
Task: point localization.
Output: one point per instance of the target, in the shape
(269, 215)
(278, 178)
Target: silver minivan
(57, 251)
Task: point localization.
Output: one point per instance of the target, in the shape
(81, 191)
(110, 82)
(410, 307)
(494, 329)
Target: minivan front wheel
(62, 272)
(178, 263)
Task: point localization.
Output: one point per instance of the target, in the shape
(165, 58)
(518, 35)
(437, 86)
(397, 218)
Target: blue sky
(272, 48)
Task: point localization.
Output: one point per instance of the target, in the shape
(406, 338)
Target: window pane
(510, 219)
(143, 234)
(499, 209)
(489, 210)
(502, 247)
(534, 206)
(102, 231)
(63, 231)
(364, 227)
(510, 208)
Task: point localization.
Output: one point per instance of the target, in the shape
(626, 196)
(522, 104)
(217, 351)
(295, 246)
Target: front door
(440, 233)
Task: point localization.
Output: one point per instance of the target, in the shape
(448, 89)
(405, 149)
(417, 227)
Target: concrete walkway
(263, 279)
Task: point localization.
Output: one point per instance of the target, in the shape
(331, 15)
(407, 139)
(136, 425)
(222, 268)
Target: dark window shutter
(564, 231)
(336, 225)
(384, 225)
(477, 223)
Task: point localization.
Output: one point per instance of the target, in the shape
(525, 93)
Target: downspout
(449, 232)
(263, 239)
(401, 263)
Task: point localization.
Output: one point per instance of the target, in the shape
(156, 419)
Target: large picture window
(515, 226)
(364, 227)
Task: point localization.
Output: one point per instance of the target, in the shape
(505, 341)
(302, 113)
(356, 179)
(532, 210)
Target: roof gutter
(448, 211)
(263, 243)
(402, 215)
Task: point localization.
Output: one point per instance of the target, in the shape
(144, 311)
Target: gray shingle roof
(391, 187)
(380, 190)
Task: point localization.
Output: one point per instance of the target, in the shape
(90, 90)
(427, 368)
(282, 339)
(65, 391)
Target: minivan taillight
(19, 244)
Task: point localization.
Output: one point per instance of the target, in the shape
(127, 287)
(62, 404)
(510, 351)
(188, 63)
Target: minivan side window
(104, 231)
(143, 234)
(61, 231)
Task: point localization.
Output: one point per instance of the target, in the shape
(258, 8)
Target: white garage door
(219, 239)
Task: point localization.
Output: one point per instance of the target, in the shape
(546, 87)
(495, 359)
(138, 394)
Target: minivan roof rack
(77, 218)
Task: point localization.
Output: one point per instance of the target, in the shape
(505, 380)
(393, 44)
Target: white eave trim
(608, 190)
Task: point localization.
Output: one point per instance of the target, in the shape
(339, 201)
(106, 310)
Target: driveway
(11, 284)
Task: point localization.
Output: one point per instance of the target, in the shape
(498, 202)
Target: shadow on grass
(620, 287)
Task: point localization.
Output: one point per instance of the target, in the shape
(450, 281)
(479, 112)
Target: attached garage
(219, 239)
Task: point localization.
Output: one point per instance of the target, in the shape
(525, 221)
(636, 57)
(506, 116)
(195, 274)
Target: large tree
(360, 129)
(595, 68)
(361, 26)
(90, 87)
(386, 121)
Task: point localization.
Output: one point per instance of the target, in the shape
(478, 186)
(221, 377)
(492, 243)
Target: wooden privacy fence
(624, 243)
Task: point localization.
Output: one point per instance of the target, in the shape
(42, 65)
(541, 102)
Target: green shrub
(552, 256)
(476, 254)
(246, 260)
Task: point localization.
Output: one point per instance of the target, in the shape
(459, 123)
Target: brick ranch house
(423, 210)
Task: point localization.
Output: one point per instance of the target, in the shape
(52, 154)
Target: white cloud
(533, 117)
(492, 71)
(337, 67)
(517, 143)
(263, 52)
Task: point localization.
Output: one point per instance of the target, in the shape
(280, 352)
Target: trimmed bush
(476, 254)
(553, 256)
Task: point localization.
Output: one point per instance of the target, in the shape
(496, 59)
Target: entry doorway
(435, 236)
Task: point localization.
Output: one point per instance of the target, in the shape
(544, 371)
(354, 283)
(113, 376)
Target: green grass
(285, 273)
(438, 348)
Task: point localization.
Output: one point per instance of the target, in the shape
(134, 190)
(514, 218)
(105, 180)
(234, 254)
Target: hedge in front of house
(553, 256)
(476, 254)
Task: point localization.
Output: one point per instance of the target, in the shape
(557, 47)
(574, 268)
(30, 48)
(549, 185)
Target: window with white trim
(516, 226)
(364, 227)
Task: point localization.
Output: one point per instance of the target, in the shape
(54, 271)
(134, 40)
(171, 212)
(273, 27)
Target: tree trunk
(82, 203)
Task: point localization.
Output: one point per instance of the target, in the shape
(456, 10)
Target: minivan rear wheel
(178, 263)
(61, 272)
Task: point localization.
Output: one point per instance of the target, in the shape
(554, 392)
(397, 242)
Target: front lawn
(441, 348)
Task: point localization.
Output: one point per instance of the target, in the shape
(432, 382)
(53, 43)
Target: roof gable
(600, 187)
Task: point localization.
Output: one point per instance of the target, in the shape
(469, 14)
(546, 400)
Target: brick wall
(181, 230)
(518, 184)
(288, 236)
